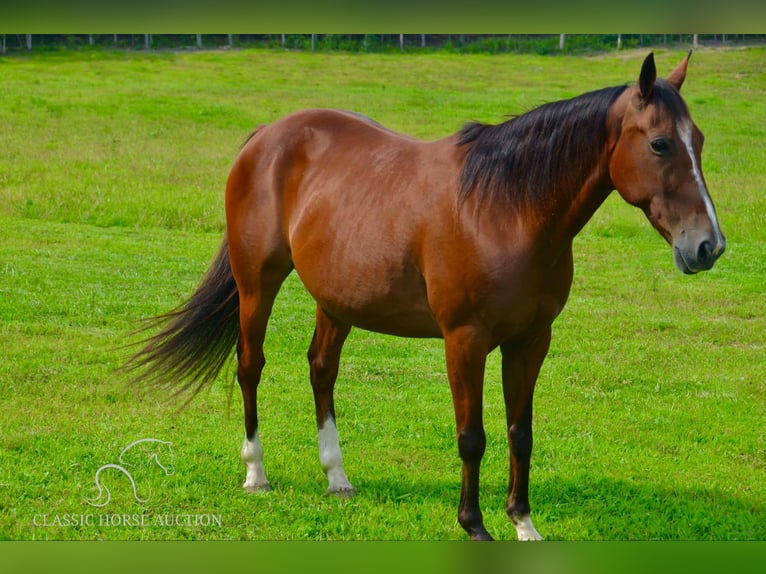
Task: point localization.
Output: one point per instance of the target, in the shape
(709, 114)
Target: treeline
(468, 43)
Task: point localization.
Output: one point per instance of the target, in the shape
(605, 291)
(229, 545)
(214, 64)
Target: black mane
(537, 154)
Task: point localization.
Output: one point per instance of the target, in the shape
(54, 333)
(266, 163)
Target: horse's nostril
(705, 252)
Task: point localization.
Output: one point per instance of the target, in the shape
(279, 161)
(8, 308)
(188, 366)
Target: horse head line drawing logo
(154, 456)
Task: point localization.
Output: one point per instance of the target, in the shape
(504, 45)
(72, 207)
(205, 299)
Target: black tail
(196, 339)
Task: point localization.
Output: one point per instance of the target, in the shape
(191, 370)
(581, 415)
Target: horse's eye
(660, 146)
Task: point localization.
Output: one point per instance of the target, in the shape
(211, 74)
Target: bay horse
(467, 238)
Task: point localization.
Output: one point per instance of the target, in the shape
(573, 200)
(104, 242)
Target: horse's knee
(520, 438)
(471, 444)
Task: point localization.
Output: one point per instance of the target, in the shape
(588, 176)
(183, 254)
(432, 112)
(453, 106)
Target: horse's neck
(575, 213)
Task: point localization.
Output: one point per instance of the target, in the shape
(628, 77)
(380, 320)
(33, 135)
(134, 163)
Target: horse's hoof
(525, 530)
(480, 534)
(344, 492)
(263, 487)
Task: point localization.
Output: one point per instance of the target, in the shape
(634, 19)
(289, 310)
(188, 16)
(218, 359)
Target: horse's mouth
(681, 263)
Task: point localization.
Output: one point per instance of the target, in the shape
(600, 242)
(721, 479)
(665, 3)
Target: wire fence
(479, 43)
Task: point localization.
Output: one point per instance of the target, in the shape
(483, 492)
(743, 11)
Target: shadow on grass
(599, 508)
(611, 509)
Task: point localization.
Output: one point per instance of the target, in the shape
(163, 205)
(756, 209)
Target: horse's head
(656, 165)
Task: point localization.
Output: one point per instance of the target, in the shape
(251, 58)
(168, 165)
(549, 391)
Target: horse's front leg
(466, 352)
(521, 365)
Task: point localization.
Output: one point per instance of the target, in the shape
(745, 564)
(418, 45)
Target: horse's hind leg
(324, 359)
(256, 300)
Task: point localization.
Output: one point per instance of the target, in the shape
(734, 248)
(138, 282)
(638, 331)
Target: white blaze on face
(252, 457)
(684, 128)
(330, 458)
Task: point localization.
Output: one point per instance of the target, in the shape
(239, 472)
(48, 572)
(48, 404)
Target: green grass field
(650, 420)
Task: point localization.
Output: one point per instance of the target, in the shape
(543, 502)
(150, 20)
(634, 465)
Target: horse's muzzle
(693, 255)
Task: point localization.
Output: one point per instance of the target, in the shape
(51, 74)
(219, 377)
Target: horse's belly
(401, 323)
(372, 295)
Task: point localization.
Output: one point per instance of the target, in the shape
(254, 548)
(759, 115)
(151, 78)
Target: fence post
(695, 40)
(284, 41)
(422, 40)
(148, 41)
(313, 42)
(2, 46)
(29, 41)
(562, 38)
(401, 42)
(231, 40)
(619, 41)
(199, 41)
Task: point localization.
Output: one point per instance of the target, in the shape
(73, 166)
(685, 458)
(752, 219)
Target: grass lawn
(650, 421)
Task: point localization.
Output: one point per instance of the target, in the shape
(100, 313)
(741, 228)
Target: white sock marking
(252, 457)
(525, 530)
(685, 132)
(331, 459)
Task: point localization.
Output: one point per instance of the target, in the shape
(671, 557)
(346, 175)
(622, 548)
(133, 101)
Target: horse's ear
(676, 78)
(648, 77)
